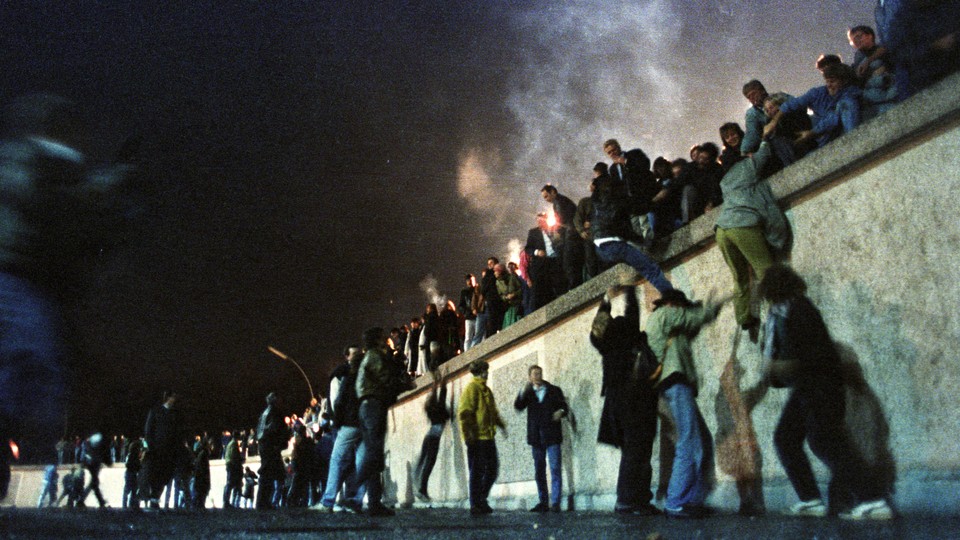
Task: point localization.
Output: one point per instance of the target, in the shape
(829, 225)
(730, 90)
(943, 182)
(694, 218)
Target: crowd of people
(337, 448)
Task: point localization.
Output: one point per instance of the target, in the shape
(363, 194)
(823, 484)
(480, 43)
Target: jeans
(469, 327)
(688, 481)
(347, 451)
(480, 331)
(428, 457)
(616, 251)
(541, 454)
(373, 425)
(484, 467)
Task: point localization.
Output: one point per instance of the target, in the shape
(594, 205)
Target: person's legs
(540, 473)
(686, 481)
(556, 478)
(788, 439)
(431, 448)
(617, 251)
(740, 269)
(373, 423)
(344, 449)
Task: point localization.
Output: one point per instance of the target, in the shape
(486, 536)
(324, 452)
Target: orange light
(14, 449)
(551, 219)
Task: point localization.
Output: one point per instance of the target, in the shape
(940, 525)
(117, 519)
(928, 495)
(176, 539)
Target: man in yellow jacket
(479, 420)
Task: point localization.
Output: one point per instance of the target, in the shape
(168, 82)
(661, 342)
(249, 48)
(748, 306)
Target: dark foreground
(446, 523)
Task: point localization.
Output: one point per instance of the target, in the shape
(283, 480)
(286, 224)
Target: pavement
(450, 523)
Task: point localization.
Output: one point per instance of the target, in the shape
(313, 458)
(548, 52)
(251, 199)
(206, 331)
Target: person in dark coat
(628, 420)
(438, 415)
(162, 438)
(272, 435)
(546, 406)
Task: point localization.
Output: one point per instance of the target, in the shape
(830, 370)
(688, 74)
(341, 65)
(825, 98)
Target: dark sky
(313, 168)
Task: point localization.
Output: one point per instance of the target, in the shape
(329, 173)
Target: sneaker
(323, 509)
(878, 509)
(686, 512)
(811, 508)
(540, 507)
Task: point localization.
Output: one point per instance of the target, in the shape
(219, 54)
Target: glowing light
(551, 219)
(14, 449)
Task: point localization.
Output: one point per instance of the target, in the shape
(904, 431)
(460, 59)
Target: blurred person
(449, 333)
(200, 479)
(571, 258)
(581, 222)
(786, 143)
(479, 419)
(628, 419)
(162, 435)
(438, 415)
(731, 134)
(800, 354)
(631, 169)
(377, 389)
(249, 484)
(346, 453)
(96, 454)
(508, 288)
(132, 467)
(874, 71)
(465, 306)
(674, 323)
(755, 117)
(835, 106)
(825, 60)
(703, 175)
(272, 435)
(923, 39)
(412, 347)
(612, 233)
(749, 229)
(667, 203)
(57, 212)
(72, 487)
(303, 465)
(48, 491)
(544, 250)
(493, 308)
(233, 463)
(546, 407)
(432, 330)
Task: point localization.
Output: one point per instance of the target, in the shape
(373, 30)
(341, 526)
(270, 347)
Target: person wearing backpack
(628, 420)
(674, 323)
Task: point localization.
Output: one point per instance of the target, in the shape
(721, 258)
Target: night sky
(313, 168)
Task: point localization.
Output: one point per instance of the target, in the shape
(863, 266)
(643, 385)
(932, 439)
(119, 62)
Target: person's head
(862, 37)
(662, 168)
(677, 165)
(707, 155)
(731, 134)
(600, 169)
(170, 398)
(825, 60)
(500, 271)
(781, 283)
(542, 221)
(612, 148)
(376, 338)
(512, 267)
(535, 374)
(471, 280)
(350, 351)
(415, 323)
(694, 150)
(431, 309)
(450, 306)
(771, 106)
(549, 193)
(754, 92)
(491, 262)
(673, 297)
(837, 77)
(479, 368)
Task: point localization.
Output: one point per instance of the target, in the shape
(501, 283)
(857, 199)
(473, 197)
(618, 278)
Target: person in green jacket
(749, 229)
(479, 420)
(671, 327)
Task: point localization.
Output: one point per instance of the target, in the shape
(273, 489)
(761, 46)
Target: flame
(14, 449)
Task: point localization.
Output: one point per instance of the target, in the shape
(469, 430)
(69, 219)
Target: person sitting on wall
(835, 106)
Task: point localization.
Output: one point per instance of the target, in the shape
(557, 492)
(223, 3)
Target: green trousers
(744, 248)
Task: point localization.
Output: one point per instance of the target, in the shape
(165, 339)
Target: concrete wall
(877, 239)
